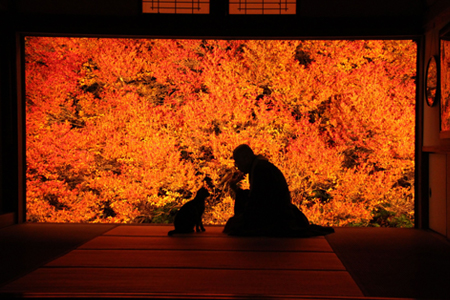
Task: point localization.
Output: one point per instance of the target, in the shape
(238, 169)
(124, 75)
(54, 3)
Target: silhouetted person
(266, 208)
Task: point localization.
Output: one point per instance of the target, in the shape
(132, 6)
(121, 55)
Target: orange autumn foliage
(125, 130)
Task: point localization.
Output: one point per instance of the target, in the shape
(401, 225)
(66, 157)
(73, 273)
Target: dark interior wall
(8, 129)
(79, 7)
(436, 150)
(317, 8)
(435, 22)
(314, 18)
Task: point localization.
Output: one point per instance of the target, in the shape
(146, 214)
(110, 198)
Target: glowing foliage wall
(124, 130)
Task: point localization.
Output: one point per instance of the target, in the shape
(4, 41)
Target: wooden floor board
(28, 246)
(86, 260)
(161, 230)
(200, 259)
(185, 281)
(395, 262)
(134, 260)
(211, 243)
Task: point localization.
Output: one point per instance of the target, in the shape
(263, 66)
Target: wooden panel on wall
(448, 198)
(175, 6)
(438, 193)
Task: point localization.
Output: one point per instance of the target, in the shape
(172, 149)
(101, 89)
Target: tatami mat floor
(76, 260)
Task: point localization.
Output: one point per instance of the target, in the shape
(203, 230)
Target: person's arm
(233, 182)
(268, 186)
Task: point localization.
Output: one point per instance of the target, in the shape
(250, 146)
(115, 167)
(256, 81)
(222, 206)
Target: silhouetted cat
(190, 214)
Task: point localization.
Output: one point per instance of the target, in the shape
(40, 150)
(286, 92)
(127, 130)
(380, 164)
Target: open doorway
(125, 130)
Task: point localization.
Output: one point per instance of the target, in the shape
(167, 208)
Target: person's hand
(237, 177)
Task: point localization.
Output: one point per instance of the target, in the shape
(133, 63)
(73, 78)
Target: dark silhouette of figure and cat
(266, 208)
(190, 214)
(263, 210)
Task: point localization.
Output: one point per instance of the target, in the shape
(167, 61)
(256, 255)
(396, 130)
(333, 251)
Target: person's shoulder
(261, 158)
(262, 162)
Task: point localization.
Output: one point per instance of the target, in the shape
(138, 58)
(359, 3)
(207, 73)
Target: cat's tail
(170, 233)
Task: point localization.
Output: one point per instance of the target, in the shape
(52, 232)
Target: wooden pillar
(8, 115)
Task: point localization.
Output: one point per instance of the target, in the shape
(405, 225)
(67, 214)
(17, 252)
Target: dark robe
(266, 209)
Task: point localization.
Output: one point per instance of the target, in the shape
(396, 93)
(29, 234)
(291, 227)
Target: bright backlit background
(125, 130)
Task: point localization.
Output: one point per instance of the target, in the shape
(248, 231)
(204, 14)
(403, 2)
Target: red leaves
(119, 127)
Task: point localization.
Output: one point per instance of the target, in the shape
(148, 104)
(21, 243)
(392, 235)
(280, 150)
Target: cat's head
(203, 193)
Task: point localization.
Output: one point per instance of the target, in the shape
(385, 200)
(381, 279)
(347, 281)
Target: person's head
(243, 157)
